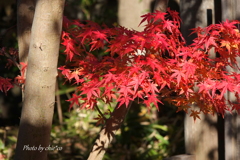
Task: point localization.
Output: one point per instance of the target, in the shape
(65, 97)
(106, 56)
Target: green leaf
(2, 146)
(162, 127)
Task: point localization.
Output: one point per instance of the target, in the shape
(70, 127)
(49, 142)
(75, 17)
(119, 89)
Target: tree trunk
(108, 132)
(201, 137)
(117, 117)
(25, 15)
(130, 12)
(230, 11)
(38, 105)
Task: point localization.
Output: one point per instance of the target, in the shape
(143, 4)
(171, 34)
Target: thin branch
(99, 111)
(59, 107)
(14, 60)
(7, 30)
(108, 132)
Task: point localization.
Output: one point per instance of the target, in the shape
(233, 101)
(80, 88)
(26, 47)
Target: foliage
(75, 136)
(141, 136)
(7, 143)
(79, 132)
(12, 60)
(100, 11)
(168, 69)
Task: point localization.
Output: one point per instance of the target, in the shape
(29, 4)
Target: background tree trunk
(38, 105)
(117, 117)
(25, 15)
(130, 12)
(161, 5)
(201, 137)
(230, 11)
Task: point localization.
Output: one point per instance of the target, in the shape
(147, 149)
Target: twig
(59, 107)
(14, 60)
(99, 111)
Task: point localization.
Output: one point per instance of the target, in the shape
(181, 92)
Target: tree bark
(130, 12)
(25, 15)
(117, 117)
(230, 11)
(38, 104)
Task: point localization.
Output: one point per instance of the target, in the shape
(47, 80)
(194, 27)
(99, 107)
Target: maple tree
(167, 69)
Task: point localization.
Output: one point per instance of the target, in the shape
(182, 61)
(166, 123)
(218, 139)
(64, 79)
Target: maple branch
(14, 60)
(108, 132)
(59, 107)
(99, 111)
(5, 32)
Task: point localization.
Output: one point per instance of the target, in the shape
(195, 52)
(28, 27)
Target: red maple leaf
(146, 17)
(23, 68)
(195, 114)
(91, 92)
(5, 84)
(169, 25)
(70, 47)
(152, 99)
(99, 35)
(158, 16)
(210, 41)
(225, 86)
(175, 16)
(178, 74)
(124, 100)
(74, 100)
(140, 40)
